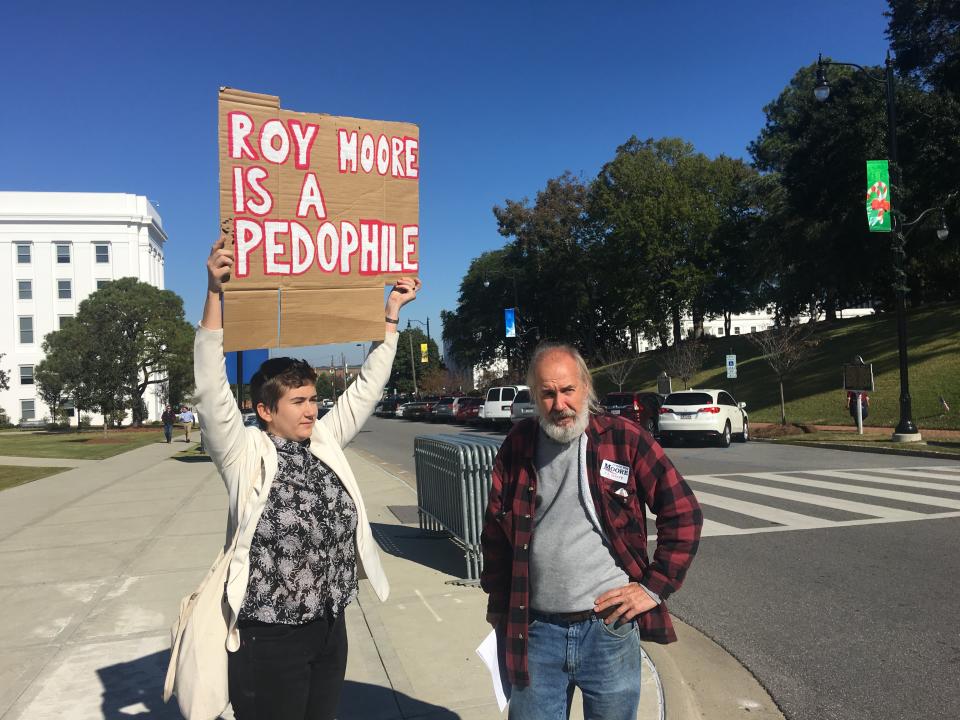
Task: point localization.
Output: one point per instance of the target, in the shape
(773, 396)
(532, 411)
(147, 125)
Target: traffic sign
(731, 367)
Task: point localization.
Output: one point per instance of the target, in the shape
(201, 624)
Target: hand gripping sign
(323, 212)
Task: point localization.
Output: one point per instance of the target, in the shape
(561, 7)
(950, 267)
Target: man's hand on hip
(627, 602)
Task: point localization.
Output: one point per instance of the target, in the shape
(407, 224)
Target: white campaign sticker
(615, 472)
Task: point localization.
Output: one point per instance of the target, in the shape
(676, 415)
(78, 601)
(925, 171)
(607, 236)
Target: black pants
(289, 672)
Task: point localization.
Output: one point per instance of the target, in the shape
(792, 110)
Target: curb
(863, 449)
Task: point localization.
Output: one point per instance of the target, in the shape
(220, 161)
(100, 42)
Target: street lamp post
(906, 430)
(519, 333)
(421, 324)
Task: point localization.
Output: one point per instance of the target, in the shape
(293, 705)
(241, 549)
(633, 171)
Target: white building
(743, 324)
(56, 249)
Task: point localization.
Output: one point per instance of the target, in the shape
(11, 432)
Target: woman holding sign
(303, 531)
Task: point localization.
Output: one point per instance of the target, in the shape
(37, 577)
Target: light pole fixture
(421, 324)
(906, 430)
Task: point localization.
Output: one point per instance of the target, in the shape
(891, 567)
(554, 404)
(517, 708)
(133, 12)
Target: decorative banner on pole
(878, 196)
(510, 322)
(424, 357)
(323, 211)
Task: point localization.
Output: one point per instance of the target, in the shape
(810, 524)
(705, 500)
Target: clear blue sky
(121, 97)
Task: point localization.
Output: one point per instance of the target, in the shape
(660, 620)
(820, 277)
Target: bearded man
(565, 547)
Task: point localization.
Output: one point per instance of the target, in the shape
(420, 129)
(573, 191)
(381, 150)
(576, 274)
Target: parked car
(523, 407)
(249, 418)
(705, 415)
(442, 410)
(387, 408)
(415, 410)
(496, 406)
(641, 407)
(466, 409)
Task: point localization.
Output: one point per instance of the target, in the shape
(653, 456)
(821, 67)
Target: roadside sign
(858, 376)
(423, 353)
(731, 367)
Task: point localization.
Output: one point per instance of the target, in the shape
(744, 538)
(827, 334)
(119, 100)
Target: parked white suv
(496, 405)
(703, 415)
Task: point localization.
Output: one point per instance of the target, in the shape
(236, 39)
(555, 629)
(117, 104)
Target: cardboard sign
(324, 211)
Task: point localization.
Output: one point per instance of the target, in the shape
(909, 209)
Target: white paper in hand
(492, 652)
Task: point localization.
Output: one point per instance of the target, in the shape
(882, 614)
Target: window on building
(61, 318)
(23, 254)
(63, 253)
(26, 374)
(26, 330)
(736, 330)
(721, 331)
(64, 289)
(28, 410)
(102, 253)
(25, 289)
(102, 284)
(753, 328)
(68, 407)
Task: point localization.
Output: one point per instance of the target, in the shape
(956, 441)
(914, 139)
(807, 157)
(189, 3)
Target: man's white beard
(566, 433)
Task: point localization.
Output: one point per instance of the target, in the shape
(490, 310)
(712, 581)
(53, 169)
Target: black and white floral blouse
(302, 558)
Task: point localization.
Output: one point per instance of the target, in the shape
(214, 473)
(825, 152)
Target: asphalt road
(841, 614)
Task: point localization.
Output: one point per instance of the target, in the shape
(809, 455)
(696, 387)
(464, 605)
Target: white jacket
(247, 459)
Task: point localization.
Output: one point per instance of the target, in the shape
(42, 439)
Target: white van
(496, 406)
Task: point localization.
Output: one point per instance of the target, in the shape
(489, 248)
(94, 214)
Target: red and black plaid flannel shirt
(653, 482)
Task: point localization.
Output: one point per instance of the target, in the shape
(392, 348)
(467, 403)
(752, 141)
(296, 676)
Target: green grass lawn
(814, 394)
(87, 445)
(13, 475)
(845, 438)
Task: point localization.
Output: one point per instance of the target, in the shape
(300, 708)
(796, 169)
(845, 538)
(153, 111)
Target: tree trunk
(727, 322)
(783, 406)
(697, 314)
(664, 337)
(677, 329)
(830, 306)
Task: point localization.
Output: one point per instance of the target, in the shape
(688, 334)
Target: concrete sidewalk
(94, 561)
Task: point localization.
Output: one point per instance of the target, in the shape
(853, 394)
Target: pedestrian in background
(564, 543)
(852, 404)
(186, 418)
(303, 533)
(168, 418)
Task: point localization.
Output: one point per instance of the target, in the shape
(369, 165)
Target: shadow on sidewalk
(134, 689)
(362, 701)
(429, 548)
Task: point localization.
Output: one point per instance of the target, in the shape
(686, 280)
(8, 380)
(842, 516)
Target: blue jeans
(168, 432)
(602, 660)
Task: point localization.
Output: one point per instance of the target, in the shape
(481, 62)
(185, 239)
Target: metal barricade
(453, 482)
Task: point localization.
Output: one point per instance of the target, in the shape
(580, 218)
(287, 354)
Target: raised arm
(220, 419)
(360, 399)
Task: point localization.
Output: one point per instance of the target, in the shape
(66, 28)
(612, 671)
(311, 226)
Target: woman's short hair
(274, 378)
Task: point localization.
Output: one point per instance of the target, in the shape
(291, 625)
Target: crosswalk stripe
(899, 482)
(835, 503)
(858, 490)
(763, 512)
(926, 474)
(712, 527)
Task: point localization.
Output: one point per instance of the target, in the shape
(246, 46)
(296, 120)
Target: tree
(617, 365)
(142, 334)
(925, 35)
(124, 338)
(51, 387)
(784, 347)
(401, 378)
(324, 385)
(684, 360)
(4, 376)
